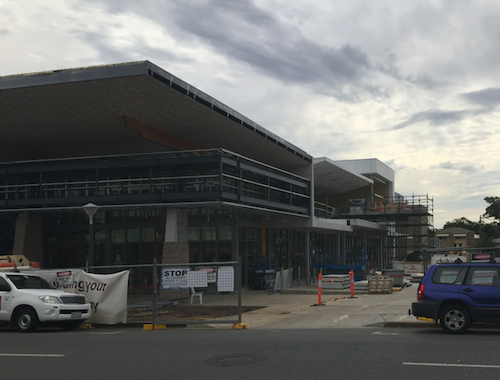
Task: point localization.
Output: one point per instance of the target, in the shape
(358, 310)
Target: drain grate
(235, 360)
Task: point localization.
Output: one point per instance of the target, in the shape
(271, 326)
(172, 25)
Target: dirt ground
(186, 313)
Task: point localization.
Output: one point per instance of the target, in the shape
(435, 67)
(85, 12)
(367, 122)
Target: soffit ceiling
(80, 112)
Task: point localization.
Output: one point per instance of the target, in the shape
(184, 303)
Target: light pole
(90, 209)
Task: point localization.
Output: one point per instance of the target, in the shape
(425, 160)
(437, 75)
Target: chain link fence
(181, 294)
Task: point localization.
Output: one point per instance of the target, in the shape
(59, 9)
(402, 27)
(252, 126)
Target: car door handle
(468, 290)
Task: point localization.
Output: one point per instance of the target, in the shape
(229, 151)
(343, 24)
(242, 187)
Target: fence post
(238, 267)
(154, 281)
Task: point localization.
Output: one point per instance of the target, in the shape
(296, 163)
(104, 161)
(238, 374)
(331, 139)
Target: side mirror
(4, 287)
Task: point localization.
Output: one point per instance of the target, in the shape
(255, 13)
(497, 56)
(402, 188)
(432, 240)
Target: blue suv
(459, 294)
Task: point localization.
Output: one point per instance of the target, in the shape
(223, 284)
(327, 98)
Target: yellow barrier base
(156, 327)
(86, 326)
(425, 319)
(240, 326)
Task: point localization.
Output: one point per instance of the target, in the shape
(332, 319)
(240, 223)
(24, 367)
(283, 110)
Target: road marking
(381, 333)
(105, 333)
(36, 355)
(453, 365)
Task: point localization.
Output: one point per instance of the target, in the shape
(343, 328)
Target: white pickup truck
(27, 300)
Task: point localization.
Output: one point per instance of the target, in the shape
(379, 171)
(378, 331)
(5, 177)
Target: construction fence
(181, 294)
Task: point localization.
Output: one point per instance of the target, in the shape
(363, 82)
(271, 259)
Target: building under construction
(175, 175)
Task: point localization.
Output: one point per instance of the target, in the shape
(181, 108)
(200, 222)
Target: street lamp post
(90, 209)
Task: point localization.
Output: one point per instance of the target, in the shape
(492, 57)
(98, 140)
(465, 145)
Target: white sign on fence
(225, 282)
(174, 278)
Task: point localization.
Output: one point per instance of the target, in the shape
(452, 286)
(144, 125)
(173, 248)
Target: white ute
(27, 300)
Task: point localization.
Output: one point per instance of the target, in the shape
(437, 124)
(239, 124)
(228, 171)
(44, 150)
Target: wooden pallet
(380, 285)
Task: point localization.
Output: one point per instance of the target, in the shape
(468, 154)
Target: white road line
(105, 333)
(381, 333)
(453, 365)
(35, 355)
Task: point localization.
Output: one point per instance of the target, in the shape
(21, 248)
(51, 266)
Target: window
(483, 277)
(447, 275)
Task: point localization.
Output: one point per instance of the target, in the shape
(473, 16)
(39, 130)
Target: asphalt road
(361, 353)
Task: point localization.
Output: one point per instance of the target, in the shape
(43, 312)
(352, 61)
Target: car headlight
(50, 299)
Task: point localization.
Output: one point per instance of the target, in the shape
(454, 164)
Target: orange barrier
(319, 289)
(351, 277)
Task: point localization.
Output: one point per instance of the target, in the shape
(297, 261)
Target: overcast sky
(414, 83)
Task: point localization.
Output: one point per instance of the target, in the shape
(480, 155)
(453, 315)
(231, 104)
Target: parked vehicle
(459, 294)
(27, 300)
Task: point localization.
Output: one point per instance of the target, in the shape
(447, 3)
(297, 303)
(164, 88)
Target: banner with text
(107, 293)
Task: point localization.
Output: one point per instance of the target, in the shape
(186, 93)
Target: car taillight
(420, 295)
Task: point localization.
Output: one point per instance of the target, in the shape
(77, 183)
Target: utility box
(396, 274)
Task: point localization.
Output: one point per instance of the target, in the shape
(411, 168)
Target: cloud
(463, 169)
(434, 117)
(259, 37)
(488, 98)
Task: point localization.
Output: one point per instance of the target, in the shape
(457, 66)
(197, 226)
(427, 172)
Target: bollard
(319, 292)
(319, 288)
(351, 277)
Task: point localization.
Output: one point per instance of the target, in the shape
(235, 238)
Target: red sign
(482, 256)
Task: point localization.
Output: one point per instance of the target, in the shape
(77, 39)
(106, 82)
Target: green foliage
(486, 231)
(493, 210)
(464, 223)
(487, 234)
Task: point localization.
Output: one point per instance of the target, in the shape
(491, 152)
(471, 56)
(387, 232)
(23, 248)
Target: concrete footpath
(294, 309)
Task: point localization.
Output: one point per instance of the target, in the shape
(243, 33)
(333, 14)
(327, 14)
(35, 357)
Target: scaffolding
(409, 221)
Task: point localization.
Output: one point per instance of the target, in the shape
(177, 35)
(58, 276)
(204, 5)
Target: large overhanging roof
(330, 178)
(125, 108)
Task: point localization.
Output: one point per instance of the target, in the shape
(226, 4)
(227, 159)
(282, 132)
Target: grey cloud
(425, 81)
(255, 36)
(108, 53)
(488, 98)
(4, 32)
(434, 117)
(463, 169)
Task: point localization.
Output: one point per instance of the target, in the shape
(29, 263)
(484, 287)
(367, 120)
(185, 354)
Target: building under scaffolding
(408, 219)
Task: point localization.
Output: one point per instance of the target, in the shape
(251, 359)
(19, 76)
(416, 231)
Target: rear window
(446, 275)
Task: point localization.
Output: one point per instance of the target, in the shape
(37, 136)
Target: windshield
(22, 281)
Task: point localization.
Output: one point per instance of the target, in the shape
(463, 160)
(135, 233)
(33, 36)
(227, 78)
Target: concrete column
(28, 238)
(175, 247)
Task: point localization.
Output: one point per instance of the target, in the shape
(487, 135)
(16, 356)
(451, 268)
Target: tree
(464, 223)
(487, 234)
(492, 230)
(493, 210)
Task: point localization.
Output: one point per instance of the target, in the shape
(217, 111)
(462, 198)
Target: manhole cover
(235, 360)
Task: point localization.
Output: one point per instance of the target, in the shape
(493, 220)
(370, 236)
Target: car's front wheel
(455, 319)
(26, 320)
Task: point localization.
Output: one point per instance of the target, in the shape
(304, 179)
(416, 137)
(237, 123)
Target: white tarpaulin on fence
(107, 293)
